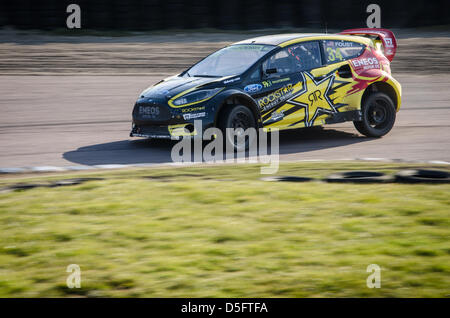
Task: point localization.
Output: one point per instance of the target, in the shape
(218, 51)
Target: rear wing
(386, 37)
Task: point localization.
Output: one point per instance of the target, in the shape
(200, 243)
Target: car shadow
(159, 151)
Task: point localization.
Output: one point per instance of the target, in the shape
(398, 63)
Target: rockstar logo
(314, 97)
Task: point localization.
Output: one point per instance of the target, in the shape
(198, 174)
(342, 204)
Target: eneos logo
(149, 111)
(365, 62)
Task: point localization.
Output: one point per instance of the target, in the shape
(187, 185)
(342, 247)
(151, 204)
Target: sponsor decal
(314, 97)
(388, 42)
(343, 44)
(228, 81)
(193, 109)
(253, 88)
(280, 80)
(149, 111)
(194, 116)
(253, 47)
(366, 63)
(269, 101)
(269, 83)
(277, 115)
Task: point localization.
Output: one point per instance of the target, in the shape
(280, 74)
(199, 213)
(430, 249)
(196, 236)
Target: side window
(279, 64)
(295, 58)
(306, 55)
(339, 50)
(256, 74)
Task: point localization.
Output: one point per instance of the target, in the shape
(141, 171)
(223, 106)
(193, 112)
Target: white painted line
(7, 170)
(46, 169)
(12, 170)
(78, 168)
(438, 162)
(145, 165)
(112, 166)
(373, 159)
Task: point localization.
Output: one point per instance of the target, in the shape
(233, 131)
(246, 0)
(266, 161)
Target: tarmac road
(85, 120)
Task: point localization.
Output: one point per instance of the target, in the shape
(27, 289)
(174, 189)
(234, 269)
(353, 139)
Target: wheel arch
(238, 98)
(385, 88)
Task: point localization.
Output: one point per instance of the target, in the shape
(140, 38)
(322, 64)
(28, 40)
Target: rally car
(284, 81)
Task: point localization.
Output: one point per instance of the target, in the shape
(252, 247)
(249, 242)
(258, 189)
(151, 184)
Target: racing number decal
(334, 54)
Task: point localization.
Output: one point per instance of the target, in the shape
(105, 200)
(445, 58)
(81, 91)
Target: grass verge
(220, 231)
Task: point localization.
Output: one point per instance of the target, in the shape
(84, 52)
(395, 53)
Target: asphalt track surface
(85, 120)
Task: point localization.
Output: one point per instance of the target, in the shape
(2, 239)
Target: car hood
(175, 85)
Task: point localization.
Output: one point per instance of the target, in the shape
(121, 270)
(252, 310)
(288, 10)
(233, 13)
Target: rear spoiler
(386, 36)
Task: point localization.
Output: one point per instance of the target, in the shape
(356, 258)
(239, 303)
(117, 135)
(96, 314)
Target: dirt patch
(43, 54)
(423, 56)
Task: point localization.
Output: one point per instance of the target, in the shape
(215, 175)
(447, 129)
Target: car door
(280, 81)
(328, 86)
(312, 101)
(287, 84)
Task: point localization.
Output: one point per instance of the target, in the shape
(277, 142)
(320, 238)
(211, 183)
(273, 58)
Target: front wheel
(378, 115)
(239, 118)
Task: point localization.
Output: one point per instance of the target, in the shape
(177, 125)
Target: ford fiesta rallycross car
(281, 81)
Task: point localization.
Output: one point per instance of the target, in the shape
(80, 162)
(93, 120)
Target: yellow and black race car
(284, 81)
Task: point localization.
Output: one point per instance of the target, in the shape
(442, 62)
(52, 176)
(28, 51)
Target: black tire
(25, 186)
(68, 182)
(287, 179)
(359, 177)
(237, 116)
(422, 176)
(378, 115)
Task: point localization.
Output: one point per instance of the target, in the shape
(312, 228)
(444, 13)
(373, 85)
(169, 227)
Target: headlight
(196, 97)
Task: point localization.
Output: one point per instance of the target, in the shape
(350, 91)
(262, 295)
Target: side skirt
(353, 115)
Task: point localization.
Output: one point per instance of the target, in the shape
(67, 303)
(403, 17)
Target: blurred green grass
(220, 231)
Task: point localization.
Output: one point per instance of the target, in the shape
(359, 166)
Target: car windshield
(232, 60)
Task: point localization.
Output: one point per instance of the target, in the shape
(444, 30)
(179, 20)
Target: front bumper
(156, 119)
(173, 132)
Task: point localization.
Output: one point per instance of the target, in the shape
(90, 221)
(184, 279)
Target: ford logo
(253, 88)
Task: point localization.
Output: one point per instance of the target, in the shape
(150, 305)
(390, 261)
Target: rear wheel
(378, 115)
(235, 117)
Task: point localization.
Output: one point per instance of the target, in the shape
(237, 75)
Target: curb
(42, 169)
